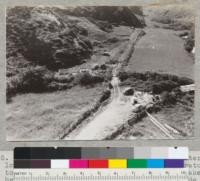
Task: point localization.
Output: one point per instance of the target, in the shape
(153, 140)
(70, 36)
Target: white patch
(193, 50)
(142, 98)
(51, 18)
(185, 37)
(187, 88)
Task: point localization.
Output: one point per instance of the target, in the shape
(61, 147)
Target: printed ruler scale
(102, 175)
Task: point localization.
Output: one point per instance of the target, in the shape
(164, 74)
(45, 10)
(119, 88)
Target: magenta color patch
(78, 163)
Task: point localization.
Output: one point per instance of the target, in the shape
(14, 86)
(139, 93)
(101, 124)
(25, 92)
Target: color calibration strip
(110, 163)
(91, 153)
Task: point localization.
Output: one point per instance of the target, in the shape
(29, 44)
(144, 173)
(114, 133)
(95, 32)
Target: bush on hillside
(85, 78)
(35, 80)
(123, 75)
(189, 44)
(161, 86)
(153, 82)
(168, 98)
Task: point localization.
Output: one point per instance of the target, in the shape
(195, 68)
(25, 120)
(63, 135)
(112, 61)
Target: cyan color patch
(155, 163)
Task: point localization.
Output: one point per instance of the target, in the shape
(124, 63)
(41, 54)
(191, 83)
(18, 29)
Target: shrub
(129, 92)
(185, 81)
(161, 86)
(35, 80)
(154, 109)
(11, 89)
(123, 75)
(168, 98)
(153, 82)
(189, 44)
(88, 79)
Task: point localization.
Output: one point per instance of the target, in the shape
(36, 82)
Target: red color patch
(98, 163)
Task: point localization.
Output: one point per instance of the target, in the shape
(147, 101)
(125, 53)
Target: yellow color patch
(117, 163)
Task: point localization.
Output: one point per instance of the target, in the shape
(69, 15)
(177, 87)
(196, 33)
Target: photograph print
(100, 72)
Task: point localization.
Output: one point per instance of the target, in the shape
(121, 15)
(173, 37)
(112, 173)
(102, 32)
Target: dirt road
(118, 111)
(115, 114)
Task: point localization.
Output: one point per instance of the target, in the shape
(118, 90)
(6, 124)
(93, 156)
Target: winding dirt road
(118, 111)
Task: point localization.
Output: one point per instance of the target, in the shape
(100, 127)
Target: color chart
(101, 158)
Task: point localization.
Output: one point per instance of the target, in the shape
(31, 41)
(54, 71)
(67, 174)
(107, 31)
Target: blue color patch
(155, 163)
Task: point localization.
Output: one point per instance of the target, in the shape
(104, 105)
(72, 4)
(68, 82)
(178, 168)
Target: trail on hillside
(119, 110)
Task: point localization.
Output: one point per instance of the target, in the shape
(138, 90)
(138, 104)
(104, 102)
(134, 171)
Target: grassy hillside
(46, 116)
(179, 18)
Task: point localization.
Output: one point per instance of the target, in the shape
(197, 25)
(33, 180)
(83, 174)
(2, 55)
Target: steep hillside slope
(43, 38)
(113, 14)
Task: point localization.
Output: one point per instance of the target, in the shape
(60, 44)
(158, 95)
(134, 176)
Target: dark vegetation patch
(189, 43)
(188, 37)
(152, 82)
(33, 79)
(115, 15)
(43, 38)
(87, 79)
(165, 85)
(39, 79)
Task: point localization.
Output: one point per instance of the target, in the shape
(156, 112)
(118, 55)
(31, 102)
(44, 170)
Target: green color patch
(137, 163)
